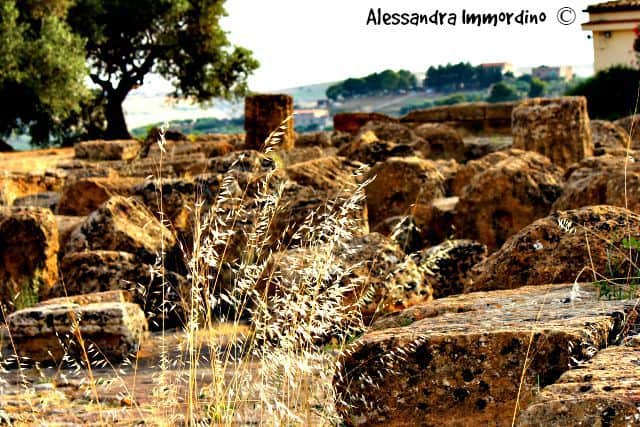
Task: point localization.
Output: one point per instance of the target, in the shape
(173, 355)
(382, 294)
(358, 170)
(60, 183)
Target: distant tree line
(454, 77)
(387, 81)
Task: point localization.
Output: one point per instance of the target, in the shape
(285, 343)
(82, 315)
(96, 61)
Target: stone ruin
(471, 247)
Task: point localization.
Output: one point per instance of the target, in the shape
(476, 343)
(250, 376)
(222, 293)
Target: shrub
(611, 93)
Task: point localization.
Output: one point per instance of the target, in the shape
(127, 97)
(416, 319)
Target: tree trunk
(116, 124)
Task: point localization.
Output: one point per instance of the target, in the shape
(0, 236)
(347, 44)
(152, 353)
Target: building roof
(614, 6)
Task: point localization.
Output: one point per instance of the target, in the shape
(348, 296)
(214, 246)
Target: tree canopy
(460, 76)
(611, 93)
(501, 92)
(180, 39)
(42, 68)
(387, 81)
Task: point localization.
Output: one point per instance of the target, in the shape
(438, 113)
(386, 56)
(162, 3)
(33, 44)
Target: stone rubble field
(498, 246)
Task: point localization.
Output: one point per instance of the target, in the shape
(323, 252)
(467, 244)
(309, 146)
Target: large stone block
(580, 244)
(468, 360)
(557, 128)
(55, 332)
(125, 149)
(603, 392)
(122, 224)
(264, 114)
(28, 255)
(403, 186)
(353, 122)
(83, 196)
(506, 197)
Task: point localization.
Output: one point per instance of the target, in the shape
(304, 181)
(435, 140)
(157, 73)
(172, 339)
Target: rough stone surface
(508, 196)
(446, 266)
(379, 276)
(177, 149)
(630, 125)
(303, 154)
(28, 255)
(112, 271)
(107, 150)
(352, 122)
(47, 333)
(608, 136)
(367, 148)
(66, 225)
(605, 391)
(391, 132)
(327, 173)
(602, 183)
(557, 128)
(243, 161)
(48, 200)
(265, 114)
(442, 142)
(403, 186)
(402, 230)
(459, 360)
(473, 118)
(466, 172)
(82, 196)
(86, 299)
(122, 224)
(554, 250)
(17, 185)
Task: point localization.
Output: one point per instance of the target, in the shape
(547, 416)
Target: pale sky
(301, 42)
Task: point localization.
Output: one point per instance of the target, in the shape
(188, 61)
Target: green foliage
(611, 93)
(180, 39)
(502, 92)
(388, 81)
(461, 76)
(536, 88)
(42, 69)
(197, 127)
(456, 98)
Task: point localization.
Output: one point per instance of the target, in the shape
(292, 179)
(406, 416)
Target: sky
(300, 42)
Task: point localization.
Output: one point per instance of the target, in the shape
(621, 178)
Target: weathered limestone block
(461, 360)
(66, 225)
(442, 142)
(602, 183)
(14, 186)
(47, 200)
(630, 125)
(603, 392)
(447, 265)
(326, 173)
(303, 154)
(47, 333)
(402, 186)
(506, 197)
(475, 167)
(86, 299)
(554, 250)
(122, 224)
(557, 128)
(378, 275)
(82, 196)
(28, 255)
(608, 136)
(352, 122)
(367, 148)
(391, 132)
(125, 149)
(101, 272)
(265, 114)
